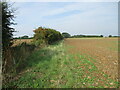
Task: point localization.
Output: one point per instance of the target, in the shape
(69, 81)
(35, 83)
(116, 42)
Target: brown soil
(103, 50)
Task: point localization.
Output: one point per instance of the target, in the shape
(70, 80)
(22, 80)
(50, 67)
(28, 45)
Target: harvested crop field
(103, 50)
(19, 41)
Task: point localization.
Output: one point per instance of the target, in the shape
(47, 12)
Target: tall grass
(16, 57)
(20, 53)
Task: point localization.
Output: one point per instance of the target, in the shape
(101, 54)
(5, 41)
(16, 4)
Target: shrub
(66, 35)
(46, 36)
(110, 36)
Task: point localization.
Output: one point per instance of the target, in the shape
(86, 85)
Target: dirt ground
(103, 50)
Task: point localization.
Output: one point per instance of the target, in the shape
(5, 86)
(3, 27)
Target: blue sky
(73, 17)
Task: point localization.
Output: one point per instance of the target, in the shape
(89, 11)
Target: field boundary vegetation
(43, 37)
(13, 57)
(46, 36)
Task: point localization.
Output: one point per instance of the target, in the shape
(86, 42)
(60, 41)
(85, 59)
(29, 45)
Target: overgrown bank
(16, 55)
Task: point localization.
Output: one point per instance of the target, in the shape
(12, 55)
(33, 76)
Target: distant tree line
(46, 36)
(113, 36)
(24, 37)
(67, 35)
(83, 36)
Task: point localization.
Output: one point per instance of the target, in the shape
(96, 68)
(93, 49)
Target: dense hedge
(46, 36)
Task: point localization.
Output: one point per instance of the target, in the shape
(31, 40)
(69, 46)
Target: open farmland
(103, 50)
(72, 63)
(60, 44)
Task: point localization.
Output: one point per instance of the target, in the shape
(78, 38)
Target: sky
(87, 18)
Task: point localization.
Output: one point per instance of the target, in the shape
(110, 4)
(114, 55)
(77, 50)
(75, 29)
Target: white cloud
(94, 18)
(101, 20)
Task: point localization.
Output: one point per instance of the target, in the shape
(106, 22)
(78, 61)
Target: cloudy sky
(91, 18)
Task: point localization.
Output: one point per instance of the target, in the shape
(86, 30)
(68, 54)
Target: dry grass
(19, 41)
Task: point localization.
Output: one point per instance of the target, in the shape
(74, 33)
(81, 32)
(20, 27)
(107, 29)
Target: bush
(46, 36)
(66, 35)
(110, 36)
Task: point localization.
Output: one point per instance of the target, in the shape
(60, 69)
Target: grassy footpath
(54, 67)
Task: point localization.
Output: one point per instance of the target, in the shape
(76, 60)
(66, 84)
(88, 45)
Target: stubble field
(19, 41)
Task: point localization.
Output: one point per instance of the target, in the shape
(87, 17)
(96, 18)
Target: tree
(7, 33)
(101, 35)
(7, 21)
(110, 35)
(66, 35)
(25, 37)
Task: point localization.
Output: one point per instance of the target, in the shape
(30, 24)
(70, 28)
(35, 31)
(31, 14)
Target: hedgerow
(46, 36)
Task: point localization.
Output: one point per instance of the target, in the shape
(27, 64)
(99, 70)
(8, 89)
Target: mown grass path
(54, 67)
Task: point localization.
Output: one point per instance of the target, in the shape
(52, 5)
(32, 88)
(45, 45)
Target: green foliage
(7, 21)
(101, 35)
(17, 55)
(20, 53)
(7, 34)
(116, 36)
(110, 35)
(46, 36)
(25, 37)
(66, 35)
